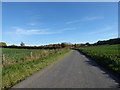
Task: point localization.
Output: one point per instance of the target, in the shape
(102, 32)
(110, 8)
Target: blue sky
(42, 23)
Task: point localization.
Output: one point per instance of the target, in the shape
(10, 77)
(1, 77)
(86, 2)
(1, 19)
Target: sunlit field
(106, 55)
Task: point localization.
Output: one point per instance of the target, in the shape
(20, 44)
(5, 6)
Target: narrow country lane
(72, 71)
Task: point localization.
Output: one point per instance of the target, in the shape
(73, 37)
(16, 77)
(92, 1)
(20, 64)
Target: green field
(106, 55)
(17, 71)
(12, 56)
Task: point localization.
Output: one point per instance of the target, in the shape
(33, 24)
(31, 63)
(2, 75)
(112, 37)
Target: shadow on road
(109, 74)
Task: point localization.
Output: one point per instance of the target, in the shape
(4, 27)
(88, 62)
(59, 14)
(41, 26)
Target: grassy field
(106, 55)
(12, 56)
(15, 72)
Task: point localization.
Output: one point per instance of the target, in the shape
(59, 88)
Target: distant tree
(76, 45)
(110, 41)
(50, 45)
(54, 45)
(59, 44)
(22, 44)
(87, 44)
(64, 45)
(3, 44)
(13, 45)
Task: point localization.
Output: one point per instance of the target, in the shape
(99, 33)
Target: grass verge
(13, 74)
(106, 55)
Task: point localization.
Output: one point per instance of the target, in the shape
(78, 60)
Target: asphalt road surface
(73, 71)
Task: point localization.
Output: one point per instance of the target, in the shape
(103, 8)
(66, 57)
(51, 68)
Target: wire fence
(22, 56)
(17, 57)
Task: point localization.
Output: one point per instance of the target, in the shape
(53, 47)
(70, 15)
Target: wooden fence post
(3, 59)
(31, 54)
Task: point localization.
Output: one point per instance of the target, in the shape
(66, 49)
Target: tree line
(62, 45)
(110, 42)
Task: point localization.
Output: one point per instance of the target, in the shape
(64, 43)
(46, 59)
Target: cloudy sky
(42, 23)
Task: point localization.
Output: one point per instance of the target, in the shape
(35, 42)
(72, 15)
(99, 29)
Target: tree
(87, 44)
(3, 44)
(13, 45)
(76, 45)
(63, 45)
(22, 44)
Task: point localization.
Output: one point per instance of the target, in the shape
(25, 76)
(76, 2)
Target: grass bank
(13, 55)
(14, 73)
(107, 56)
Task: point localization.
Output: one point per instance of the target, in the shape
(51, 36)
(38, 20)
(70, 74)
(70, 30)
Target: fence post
(3, 59)
(31, 54)
(3, 63)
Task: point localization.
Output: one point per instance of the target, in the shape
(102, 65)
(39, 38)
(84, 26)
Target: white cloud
(92, 18)
(32, 31)
(71, 22)
(102, 30)
(34, 24)
(111, 34)
(85, 19)
(31, 24)
(39, 31)
(66, 29)
(108, 28)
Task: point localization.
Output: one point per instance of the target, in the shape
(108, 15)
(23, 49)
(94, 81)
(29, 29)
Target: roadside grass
(13, 55)
(107, 56)
(14, 73)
